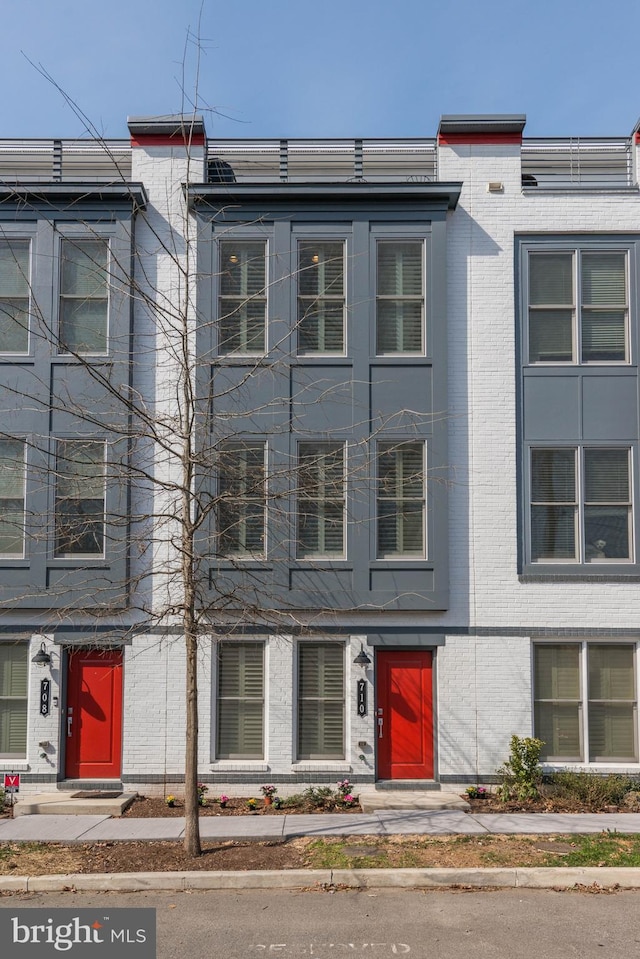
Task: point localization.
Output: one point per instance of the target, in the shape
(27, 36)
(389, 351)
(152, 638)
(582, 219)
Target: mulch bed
(149, 808)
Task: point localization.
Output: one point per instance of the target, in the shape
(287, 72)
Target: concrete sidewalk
(69, 829)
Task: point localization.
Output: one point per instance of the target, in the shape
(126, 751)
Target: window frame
(236, 446)
(22, 645)
(8, 557)
(397, 444)
(14, 236)
(320, 700)
(241, 700)
(383, 238)
(75, 556)
(585, 701)
(578, 249)
(321, 501)
(581, 560)
(238, 238)
(322, 239)
(74, 237)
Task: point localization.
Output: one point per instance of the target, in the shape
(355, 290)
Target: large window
(578, 307)
(321, 701)
(321, 297)
(13, 700)
(80, 498)
(241, 499)
(84, 295)
(240, 700)
(321, 500)
(585, 702)
(12, 497)
(581, 508)
(14, 296)
(242, 300)
(400, 297)
(401, 500)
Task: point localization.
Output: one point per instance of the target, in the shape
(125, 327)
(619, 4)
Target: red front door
(94, 714)
(405, 706)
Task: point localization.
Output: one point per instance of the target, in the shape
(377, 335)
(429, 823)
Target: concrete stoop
(73, 804)
(372, 800)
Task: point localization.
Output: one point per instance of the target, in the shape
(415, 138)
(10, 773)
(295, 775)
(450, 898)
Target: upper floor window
(401, 500)
(12, 497)
(321, 499)
(14, 296)
(241, 500)
(581, 509)
(242, 300)
(80, 498)
(400, 320)
(578, 307)
(84, 295)
(321, 297)
(14, 670)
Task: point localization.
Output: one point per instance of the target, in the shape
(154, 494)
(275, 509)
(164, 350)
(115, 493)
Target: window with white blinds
(242, 300)
(578, 307)
(321, 302)
(400, 326)
(14, 296)
(240, 700)
(80, 498)
(321, 500)
(12, 498)
(241, 500)
(401, 492)
(585, 702)
(581, 507)
(321, 701)
(13, 700)
(84, 295)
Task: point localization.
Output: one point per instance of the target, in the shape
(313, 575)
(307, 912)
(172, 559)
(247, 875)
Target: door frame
(410, 648)
(65, 689)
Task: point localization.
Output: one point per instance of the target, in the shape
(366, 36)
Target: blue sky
(286, 68)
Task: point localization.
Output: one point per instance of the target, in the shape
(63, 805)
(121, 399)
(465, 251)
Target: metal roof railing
(39, 161)
(577, 163)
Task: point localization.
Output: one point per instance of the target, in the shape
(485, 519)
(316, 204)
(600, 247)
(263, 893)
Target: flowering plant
(277, 802)
(170, 800)
(476, 792)
(268, 790)
(252, 803)
(202, 789)
(343, 786)
(223, 800)
(349, 800)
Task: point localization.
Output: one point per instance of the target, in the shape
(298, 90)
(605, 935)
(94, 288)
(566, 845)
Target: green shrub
(319, 796)
(591, 790)
(521, 774)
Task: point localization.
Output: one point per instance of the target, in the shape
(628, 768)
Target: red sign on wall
(12, 782)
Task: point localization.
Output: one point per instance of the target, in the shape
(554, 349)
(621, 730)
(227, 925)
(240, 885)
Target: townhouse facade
(412, 369)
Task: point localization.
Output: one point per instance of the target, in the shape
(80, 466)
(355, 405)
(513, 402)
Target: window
(241, 499)
(578, 307)
(80, 498)
(321, 297)
(240, 700)
(14, 296)
(585, 702)
(242, 303)
(401, 500)
(12, 497)
(321, 701)
(321, 499)
(13, 700)
(84, 295)
(400, 297)
(580, 505)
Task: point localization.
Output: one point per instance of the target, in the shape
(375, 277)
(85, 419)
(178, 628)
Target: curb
(560, 877)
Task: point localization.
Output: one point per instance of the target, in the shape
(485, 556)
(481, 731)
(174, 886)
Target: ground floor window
(321, 701)
(13, 700)
(240, 700)
(585, 702)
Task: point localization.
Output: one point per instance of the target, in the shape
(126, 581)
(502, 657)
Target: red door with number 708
(404, 714)
(94, 714)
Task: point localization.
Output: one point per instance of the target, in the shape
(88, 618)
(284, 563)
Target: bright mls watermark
(79, 933)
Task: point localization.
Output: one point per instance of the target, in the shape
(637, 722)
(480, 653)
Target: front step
(412, 784)
(372, 800)
(65, 804)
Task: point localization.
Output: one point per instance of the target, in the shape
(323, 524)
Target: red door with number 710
(94, 714)
(404, 714)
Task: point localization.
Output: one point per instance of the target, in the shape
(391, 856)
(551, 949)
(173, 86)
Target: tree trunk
(192, 844)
